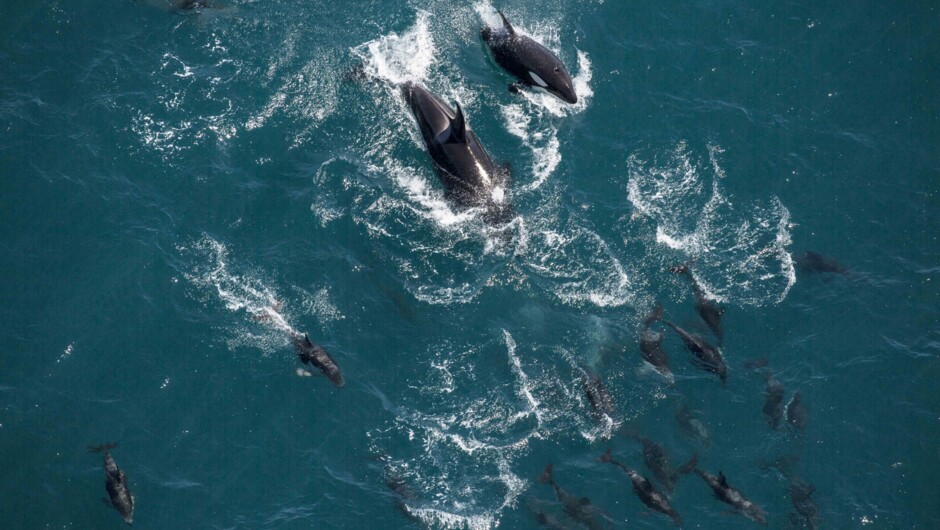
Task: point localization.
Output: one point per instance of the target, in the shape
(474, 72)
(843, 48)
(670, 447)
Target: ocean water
(181, 191)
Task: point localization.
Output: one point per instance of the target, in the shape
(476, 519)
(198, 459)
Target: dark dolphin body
(312, 354)
(807, 514)
(470, 177)
(707, 308)
(601, 401)
(651, 344)
(657, 461)
(707, 356)
(645, 491)
(578, 508)
(729, 495)
(773, 402)
(401, 490)
(116, 484)
(797, 413)
(531, 63)
(812, 262)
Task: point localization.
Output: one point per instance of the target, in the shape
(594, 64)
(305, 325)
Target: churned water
(181, 192)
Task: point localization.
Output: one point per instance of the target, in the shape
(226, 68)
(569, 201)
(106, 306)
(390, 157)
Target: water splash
(398, 58)
(740, 252)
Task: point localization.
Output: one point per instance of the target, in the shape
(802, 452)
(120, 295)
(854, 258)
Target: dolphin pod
(471, 179)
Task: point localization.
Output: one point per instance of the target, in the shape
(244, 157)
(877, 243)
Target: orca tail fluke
(606, 457)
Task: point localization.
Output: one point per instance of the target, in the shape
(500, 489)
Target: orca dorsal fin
(458, 126)
(722, 480)
(506, 23)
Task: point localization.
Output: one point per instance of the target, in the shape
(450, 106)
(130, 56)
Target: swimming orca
(116, 484)
(728, 495)
(470, 177)
(531, 63)
(707, 357)
(312, 354)
(645, 491)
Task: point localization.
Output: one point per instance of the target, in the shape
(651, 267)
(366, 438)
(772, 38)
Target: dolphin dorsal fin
(506, 23)
(458, 126)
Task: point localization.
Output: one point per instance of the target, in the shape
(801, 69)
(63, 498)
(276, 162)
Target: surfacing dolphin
(728, 495)
(651, 345)
(469, 176)
(116, 483)
(707, 357)
(529, 61)
(797, 412)
(644, 490)
(602, 403)
(658, 462)
(315, 355)
(707, 308)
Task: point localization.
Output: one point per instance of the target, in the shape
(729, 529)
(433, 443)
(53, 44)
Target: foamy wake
(243, 291)
(467, 447)
(739, 253)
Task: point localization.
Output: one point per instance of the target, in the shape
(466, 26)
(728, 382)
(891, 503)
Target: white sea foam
(739, 252)
(576, 264)
(466, 444)
(240, 292)
(398, 58)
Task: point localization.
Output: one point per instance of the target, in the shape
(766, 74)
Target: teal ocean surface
(181, 191)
